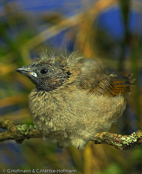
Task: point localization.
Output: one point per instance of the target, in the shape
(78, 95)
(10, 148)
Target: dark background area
(108, 30)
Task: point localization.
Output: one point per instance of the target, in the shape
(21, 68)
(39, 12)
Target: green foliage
(113, 168)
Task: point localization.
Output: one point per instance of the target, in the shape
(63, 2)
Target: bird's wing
(117, 84)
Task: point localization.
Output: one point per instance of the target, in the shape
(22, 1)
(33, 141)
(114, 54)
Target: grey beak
(23, 68)
(26, 70)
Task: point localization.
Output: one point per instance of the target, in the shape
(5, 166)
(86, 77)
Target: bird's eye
(43, 71)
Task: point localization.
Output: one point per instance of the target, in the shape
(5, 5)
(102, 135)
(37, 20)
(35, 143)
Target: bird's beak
(23, 70)
(26, 70)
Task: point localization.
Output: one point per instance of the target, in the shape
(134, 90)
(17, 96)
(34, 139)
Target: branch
(18, 132)
(21, 132)
(122, 142)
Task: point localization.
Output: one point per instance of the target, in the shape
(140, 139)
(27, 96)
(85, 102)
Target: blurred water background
(109, 30)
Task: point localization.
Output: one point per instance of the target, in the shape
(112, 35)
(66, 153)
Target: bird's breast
(68, 111)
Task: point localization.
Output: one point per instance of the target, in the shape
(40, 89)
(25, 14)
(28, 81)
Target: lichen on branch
(21, 132)
(17, 132)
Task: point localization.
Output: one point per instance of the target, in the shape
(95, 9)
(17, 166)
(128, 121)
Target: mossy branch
(21, 132)
(17, 132)
(122, 142)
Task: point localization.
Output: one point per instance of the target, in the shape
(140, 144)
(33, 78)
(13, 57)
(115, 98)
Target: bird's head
(47, 73)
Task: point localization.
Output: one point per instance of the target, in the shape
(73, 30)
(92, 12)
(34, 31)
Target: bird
(75, 97)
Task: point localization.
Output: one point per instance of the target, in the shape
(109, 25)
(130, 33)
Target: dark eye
(43, 71)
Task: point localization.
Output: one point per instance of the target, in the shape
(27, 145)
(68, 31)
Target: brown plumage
(116, 85)
(75, 98)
